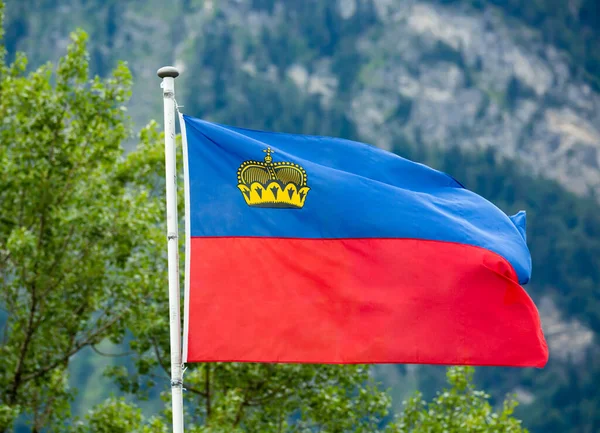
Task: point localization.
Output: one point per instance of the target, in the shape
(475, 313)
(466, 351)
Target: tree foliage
(80, 250)
(458, 409)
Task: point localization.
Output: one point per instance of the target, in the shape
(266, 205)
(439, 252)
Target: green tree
(458, 409)
(233, 397)
(80, 238)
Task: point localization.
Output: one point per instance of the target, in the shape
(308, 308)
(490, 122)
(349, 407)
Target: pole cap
(168, 71)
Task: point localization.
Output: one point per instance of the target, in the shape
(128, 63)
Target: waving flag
(323, 250)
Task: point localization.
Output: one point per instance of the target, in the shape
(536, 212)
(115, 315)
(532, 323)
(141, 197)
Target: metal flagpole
(168, 75)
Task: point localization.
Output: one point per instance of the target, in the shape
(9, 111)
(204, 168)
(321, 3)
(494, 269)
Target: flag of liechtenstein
(322, 250)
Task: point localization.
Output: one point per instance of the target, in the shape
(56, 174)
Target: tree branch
(110, 355)
(18, 378)
(280, 427)
(240, 411)
(207, 392)
(41, 419)
(77, 347)
(246, 400)
(194, 390)
(5, 330)
(57, 258)
(158, 357)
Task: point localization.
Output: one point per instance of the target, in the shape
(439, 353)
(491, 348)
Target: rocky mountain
(502, 94)
(470, 78)
(438, 74)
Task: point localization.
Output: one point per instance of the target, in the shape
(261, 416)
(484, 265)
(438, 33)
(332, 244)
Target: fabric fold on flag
(324, 250)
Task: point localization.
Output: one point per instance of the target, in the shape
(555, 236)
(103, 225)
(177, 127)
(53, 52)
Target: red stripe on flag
(358, 301)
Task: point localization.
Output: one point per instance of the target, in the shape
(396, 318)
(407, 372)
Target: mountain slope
(475, 79)
(462, 74)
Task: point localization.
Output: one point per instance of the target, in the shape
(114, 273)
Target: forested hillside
(502, 95)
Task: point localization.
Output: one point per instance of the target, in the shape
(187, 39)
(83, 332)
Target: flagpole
(168, 75)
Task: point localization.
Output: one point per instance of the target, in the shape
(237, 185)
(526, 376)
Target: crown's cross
(268, 157)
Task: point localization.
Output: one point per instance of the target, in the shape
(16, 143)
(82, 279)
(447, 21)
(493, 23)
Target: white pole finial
(168, 71)
(168, 75)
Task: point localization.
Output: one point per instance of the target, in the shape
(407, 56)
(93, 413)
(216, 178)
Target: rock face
(435, 74)
(469, 78)
(567, 339)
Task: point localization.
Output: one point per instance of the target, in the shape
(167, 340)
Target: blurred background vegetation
(502, 95)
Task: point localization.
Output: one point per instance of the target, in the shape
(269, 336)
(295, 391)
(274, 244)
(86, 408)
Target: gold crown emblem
(272, 184)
